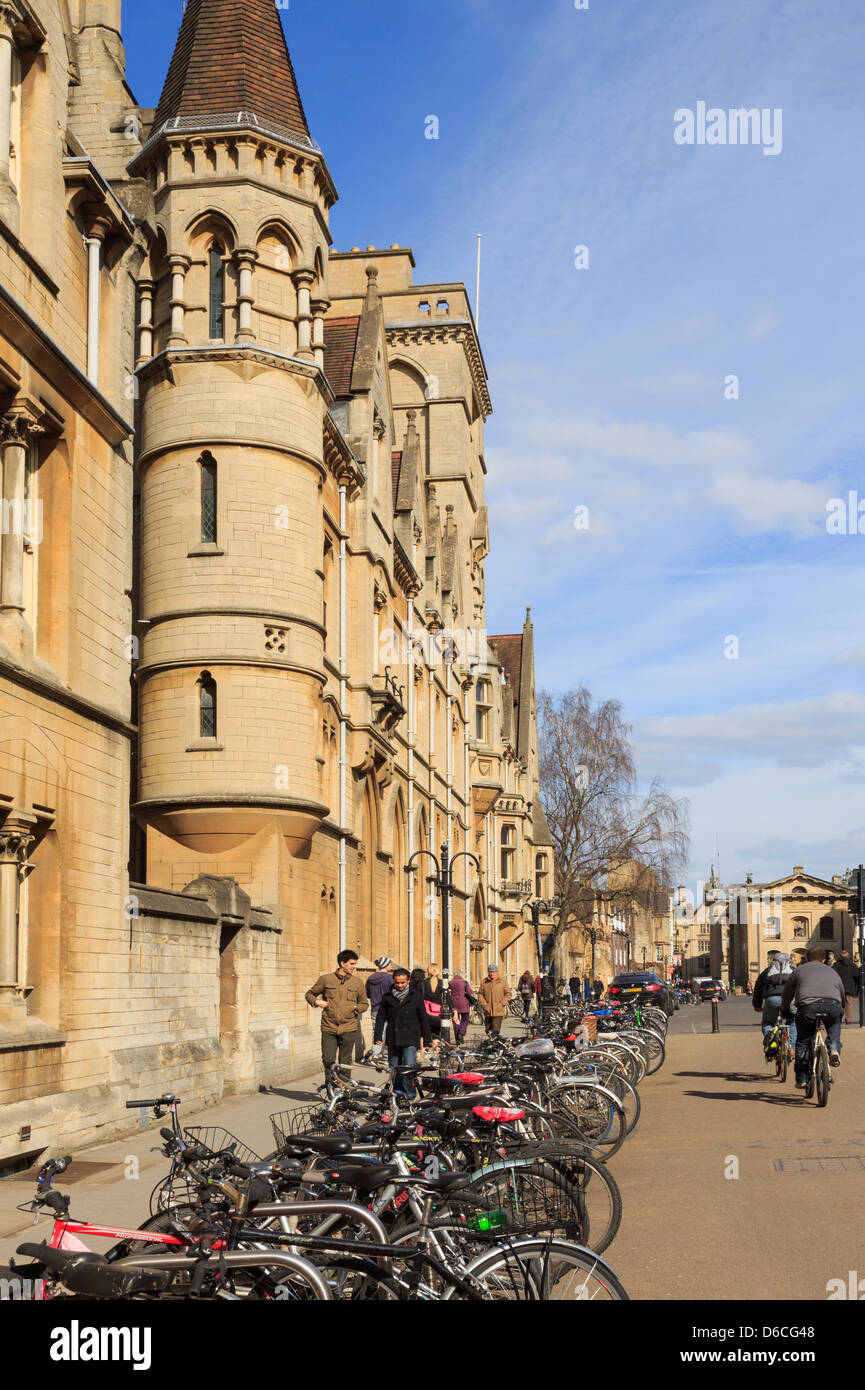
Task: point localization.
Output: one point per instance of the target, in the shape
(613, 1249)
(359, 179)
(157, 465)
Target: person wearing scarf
(403, 1023)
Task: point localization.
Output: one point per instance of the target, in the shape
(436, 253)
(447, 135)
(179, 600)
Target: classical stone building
(729, 933)
(244, 670)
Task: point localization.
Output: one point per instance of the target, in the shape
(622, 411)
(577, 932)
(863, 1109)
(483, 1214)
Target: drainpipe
(432, 799)
(410, 775)
(449, 773)
(469, 820)
(343, 711)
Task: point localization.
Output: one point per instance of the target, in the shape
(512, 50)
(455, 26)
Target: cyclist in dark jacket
(403, 1022)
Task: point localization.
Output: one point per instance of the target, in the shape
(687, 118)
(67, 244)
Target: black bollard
(716, 1027)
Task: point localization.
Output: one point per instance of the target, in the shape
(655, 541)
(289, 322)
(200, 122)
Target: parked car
(712, 989)
(642, 987)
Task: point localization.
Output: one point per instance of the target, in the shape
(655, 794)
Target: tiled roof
(231, 56)
(340, 343)
(509, 650)
(395, 465)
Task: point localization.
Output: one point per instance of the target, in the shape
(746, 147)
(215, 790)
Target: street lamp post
(536, 906)
(443, 878)
(644, 958)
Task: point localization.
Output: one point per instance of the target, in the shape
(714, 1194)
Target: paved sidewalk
(715, 1108)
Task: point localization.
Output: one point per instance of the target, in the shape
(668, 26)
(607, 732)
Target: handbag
(432, 1009)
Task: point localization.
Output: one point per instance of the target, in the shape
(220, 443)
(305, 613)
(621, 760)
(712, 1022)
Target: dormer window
(483, 705)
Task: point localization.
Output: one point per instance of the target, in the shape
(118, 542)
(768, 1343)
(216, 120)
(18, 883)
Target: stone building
(740, 923)
(244, 670)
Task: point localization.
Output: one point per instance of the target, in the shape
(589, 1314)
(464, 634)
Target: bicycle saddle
(301, 1144)
(366, 1178)
(446, 1182)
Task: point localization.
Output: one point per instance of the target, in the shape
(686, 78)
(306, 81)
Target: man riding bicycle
(817, 992)
(768, 991)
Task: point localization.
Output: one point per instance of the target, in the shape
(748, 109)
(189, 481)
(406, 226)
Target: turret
(232, 458)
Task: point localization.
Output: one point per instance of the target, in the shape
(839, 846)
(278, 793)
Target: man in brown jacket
(494, 995)
(342, 999)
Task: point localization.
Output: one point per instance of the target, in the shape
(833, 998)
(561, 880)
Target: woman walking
(462, 999)
(433, 998)
(526, 990)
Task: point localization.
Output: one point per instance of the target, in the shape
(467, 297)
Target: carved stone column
(15, 844)
(179, 266)
(145, 321)
(303, 279)
(19, 428)
(245, 262)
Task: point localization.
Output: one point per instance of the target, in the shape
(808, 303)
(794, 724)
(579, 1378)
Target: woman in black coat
(403, 1022)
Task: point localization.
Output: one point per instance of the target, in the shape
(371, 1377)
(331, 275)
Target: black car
(642, 987)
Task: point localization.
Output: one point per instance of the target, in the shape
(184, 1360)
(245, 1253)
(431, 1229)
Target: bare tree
(601, 825)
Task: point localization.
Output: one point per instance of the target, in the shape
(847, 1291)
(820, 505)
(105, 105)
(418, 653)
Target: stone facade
(243, 650)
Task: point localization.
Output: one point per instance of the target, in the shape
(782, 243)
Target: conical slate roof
(231, 57)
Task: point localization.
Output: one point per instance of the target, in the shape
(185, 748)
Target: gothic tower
(233, 458)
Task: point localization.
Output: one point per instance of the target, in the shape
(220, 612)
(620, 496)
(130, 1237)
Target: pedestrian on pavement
(433, 997)
(404, 1024)
(849, 977)
(342, 999)
(815, 989)
(378, 984)
(526, 991)
(548, 993)
(574, 989)
(493, 995)
(768, 990)
(462, 999)
(597, 990)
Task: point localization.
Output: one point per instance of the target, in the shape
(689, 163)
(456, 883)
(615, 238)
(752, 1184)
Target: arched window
(217, 291)
(509, 840)
(772, 930)
(800, 928)
(483, 703)
(207, 463)
(827, 929)
(206, 705)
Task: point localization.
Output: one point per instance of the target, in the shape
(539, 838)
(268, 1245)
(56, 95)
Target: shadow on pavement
(289, 1095)
(725, 1075)
(776, 1099)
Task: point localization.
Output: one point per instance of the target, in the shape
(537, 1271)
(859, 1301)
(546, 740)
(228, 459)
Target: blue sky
(707, 516)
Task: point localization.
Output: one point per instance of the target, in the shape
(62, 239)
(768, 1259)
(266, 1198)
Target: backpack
(774, 984)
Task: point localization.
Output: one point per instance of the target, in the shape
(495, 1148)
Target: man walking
(816, 989)
(342, 1000)
(849, 977)
(403, 1022)
(574, 989)
(494, 996)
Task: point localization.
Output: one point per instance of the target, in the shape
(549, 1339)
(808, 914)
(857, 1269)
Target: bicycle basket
(314, 1120)
(214, 1138)
(525, 1199)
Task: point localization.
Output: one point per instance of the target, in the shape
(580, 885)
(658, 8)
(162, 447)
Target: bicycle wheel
(599, 1193)
(822, 1076)
(544, 1271)
(781, 1061)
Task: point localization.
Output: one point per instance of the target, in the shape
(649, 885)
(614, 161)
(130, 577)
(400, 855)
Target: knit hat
(491, 967)
(383, 962)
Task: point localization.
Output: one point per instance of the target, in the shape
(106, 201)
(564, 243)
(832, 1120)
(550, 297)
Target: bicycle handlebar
(152, 1104)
